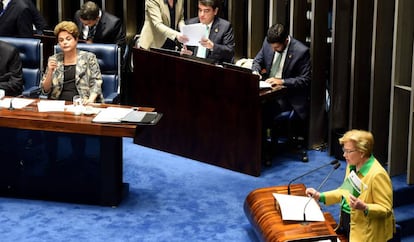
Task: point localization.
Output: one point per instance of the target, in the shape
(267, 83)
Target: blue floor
(171, 198)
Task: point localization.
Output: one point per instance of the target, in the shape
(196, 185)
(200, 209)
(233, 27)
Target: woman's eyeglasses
(347, 151)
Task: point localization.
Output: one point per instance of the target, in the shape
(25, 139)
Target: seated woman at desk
(72, 71)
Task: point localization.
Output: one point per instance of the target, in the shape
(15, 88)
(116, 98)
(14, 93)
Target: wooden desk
(60, 156)
(211, 114)
(260, 209)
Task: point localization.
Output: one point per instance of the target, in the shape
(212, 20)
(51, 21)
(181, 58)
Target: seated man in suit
(284, 62)
(16, 19)
(97, 26)
(219, 45)
(11, 74)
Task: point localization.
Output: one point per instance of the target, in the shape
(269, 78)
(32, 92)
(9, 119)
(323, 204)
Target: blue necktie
(91, 32)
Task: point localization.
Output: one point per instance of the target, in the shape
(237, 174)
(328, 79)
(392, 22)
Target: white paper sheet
(263, 84)
(194, 32)
(51, 105)
(111, 115)
(293, 207)
(16, 102)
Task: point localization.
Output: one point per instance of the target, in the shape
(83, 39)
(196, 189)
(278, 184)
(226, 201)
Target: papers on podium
(126, 115)
(293, 208)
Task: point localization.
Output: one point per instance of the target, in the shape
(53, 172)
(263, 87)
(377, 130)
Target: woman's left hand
(356, 203)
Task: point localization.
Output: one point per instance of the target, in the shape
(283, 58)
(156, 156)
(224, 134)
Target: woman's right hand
(52, 63)
(311, 192)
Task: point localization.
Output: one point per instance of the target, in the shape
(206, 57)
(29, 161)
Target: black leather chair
(31, 54)
(109, 59)
(289, 134)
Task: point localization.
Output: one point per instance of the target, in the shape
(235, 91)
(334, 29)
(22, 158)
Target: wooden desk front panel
(211, 114)
(40, 158)
(67, 122)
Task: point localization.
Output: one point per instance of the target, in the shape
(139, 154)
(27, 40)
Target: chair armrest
(112, 98)
(32, 92)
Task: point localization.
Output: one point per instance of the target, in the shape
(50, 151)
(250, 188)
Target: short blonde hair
(67, 26)
(363, 140)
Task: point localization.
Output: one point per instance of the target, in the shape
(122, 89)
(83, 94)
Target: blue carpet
(171, 199)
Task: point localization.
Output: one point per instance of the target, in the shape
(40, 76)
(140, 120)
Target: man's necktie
(1, 7)
(201, 51)
(91, 32)
(275, 66)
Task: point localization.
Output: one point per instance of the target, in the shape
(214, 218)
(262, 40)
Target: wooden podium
(261, 210)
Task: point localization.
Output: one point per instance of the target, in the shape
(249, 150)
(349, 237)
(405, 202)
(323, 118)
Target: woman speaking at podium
(72, 71)
(366, 194)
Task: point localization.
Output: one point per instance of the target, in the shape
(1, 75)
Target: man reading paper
(218, 41)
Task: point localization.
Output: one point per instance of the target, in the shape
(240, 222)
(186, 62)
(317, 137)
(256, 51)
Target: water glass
(77, 105)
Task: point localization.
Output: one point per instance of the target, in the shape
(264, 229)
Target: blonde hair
(67, 26)
(363, 140)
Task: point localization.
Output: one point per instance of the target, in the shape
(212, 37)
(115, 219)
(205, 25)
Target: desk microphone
(334, 162)
(38, 90)
(322, 183)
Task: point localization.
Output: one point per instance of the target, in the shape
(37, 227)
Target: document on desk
(194, 32)
(51, 106)
(126, 115)
(263, 85)
(293, 208)
(16, 102)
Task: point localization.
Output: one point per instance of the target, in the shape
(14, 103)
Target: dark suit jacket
(11, 75)
(16, 20)
(221, 34)
(109, 30)
(296, 72)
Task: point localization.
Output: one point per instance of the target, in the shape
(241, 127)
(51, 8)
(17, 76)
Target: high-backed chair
(109, 59)
(289, 133)
(31, 54)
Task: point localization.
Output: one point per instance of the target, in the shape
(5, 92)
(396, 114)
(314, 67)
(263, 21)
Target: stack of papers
(263, 84)
(127, 115)
(51, 105)
(16, 102)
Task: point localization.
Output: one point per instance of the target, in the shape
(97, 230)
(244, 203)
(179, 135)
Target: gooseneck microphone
(319, 187)
(334, 162)
(38, 90)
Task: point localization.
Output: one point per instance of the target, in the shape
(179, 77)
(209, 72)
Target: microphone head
(337, 165)
(334, 162)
